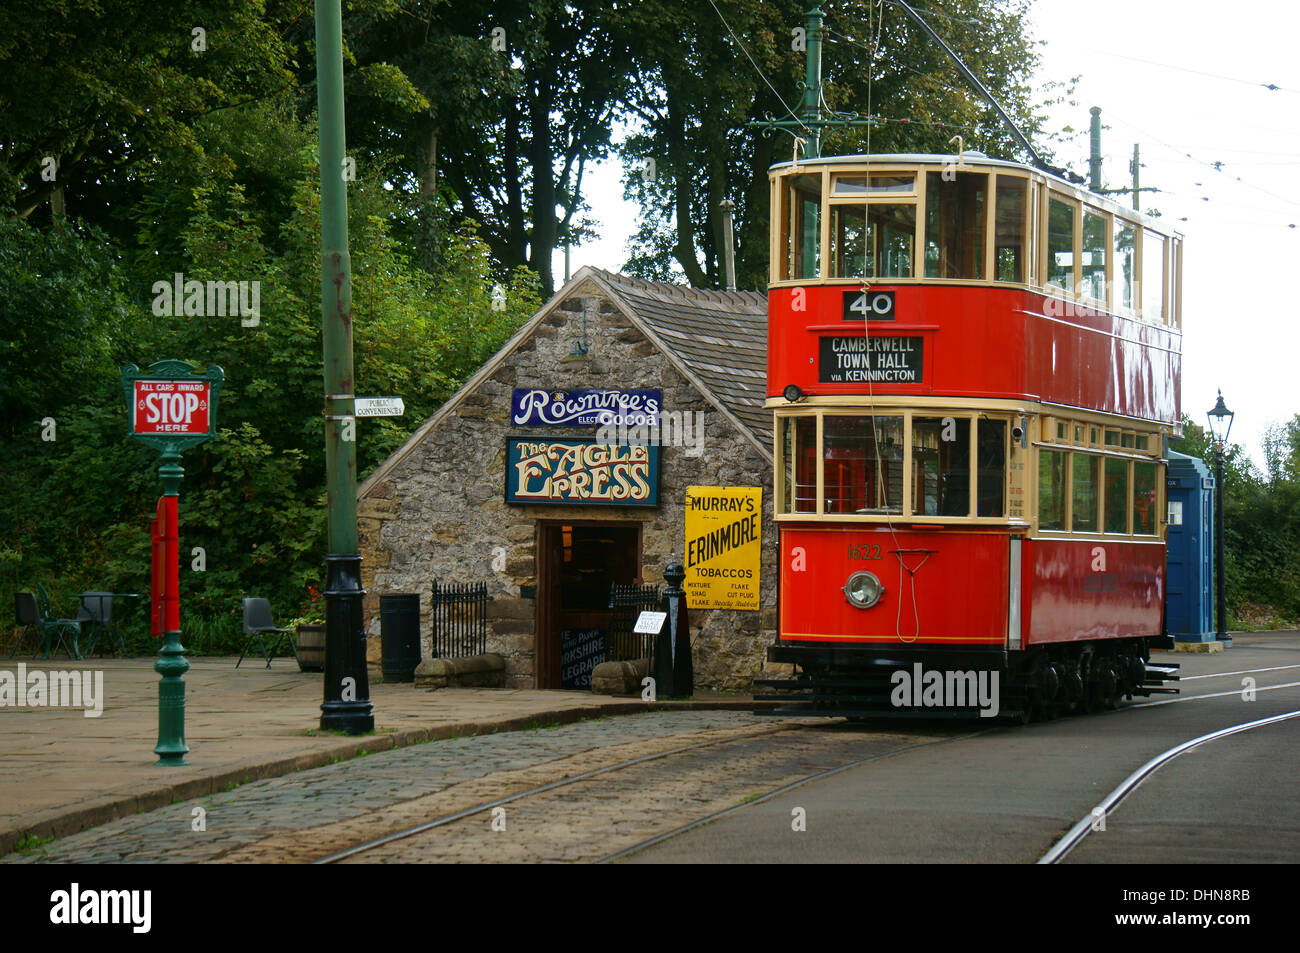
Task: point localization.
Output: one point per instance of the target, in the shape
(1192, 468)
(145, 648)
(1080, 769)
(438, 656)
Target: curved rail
(1079, 831)
(1113, 799)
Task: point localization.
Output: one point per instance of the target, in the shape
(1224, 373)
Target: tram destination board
(870, 359)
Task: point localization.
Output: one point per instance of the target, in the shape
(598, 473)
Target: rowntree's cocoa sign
(581, 408)
(581, 471)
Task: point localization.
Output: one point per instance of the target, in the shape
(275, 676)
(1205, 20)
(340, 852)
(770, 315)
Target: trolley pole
(812, 94)
(1094, 154)
(1137, 184)
(346, 706)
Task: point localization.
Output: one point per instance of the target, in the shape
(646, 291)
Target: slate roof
(717, 337)
(720, 335)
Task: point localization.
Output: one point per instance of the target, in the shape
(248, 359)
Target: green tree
(698, 90)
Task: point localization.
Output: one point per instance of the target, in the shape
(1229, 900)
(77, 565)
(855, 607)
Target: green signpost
(171, 406)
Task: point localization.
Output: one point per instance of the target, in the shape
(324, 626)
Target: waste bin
(399, 631)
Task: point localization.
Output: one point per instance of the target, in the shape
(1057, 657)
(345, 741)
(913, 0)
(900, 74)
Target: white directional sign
(380, 407)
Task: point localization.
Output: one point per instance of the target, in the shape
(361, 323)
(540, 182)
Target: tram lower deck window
(1116, 490)
(991, 474)
(1051, 489)
(1084, 494)
(799, 464)
(863, 464)
(941, 466)
(1144, 499)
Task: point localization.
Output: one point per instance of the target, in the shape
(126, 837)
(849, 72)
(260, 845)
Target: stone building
(455, 502)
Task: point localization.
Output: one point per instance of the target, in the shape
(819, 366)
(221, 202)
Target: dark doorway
(579, 562)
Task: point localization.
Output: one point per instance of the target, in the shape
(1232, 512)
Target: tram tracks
(747, 757)
(635, 797)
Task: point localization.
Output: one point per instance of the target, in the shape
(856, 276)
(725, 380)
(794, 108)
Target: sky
(1143, 62)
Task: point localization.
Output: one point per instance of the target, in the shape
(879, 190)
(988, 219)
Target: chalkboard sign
(581, 650)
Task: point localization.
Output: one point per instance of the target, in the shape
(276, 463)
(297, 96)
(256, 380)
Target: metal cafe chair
(258, 622)
(97, 608)
(27, 620)
(53, 628)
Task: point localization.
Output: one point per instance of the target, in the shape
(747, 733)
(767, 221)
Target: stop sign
(180, 408)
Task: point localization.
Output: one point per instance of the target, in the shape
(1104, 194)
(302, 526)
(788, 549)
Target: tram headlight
(863, 589)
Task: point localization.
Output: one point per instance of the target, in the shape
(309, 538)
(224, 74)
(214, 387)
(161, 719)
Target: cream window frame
(972, 416)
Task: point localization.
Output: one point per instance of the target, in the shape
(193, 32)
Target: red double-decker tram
(974, 366)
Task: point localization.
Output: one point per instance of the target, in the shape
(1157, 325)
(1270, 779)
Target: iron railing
(459, 620)
(626, 602)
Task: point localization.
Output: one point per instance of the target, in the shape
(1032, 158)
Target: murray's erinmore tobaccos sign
(581, 471)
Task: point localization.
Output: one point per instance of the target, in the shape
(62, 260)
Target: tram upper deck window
(863, 464)
(1009, 229)
(1153, 275)
(1093, 255)
(872, 241)
(954, 224)
(874, 184)
(1125, 270)
(1060, 245)
(802, 225)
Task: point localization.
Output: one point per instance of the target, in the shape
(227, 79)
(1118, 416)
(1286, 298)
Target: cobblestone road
(354, 789)
(308, 815)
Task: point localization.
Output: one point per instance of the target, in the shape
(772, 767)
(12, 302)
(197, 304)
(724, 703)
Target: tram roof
(971, 158)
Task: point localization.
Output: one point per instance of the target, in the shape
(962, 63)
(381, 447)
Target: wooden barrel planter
(311, 648)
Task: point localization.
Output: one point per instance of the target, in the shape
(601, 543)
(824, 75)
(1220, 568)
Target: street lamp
(1220, 426)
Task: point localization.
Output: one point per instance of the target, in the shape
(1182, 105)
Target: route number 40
(869, 305)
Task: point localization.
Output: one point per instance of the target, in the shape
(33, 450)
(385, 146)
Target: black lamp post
(1220, 426)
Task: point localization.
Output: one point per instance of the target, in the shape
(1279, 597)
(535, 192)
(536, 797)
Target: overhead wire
(760, 73)
(1270, 87)
(1208, 165)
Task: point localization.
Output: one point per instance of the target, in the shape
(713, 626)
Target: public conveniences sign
(724, 546)
(171, 407)
(581, 471)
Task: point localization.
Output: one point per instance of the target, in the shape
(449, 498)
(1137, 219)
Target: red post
(170, 538)
(158, 560)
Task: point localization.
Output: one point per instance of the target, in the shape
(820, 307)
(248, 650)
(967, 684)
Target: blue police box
(1189, 558)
